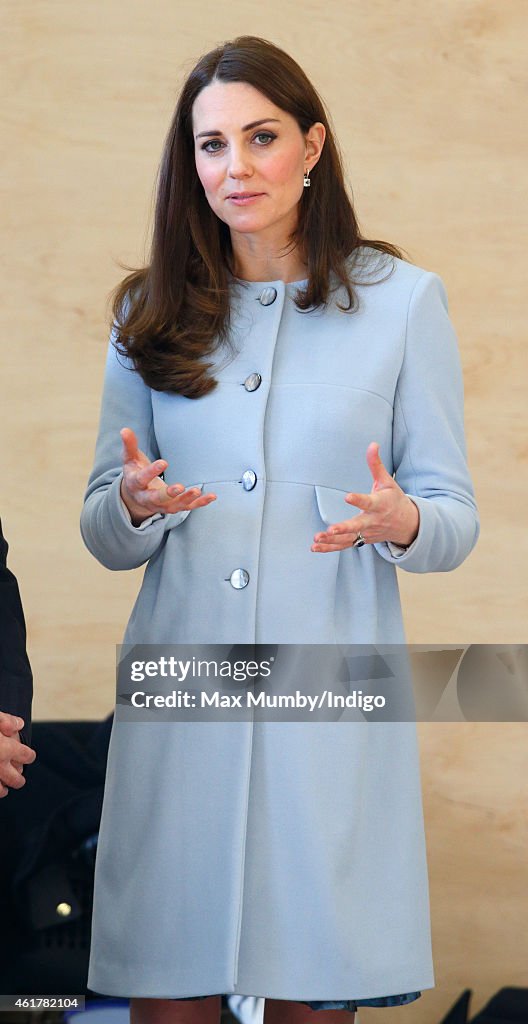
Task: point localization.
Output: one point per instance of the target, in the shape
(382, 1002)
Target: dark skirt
(353, 1004)
(349, 1004)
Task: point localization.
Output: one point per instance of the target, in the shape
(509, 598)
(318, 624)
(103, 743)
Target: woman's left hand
(387, 513)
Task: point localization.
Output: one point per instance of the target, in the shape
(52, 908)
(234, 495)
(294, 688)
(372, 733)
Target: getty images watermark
(322, 682)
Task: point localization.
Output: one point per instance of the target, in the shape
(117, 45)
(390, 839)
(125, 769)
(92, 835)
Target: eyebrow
(246, 128)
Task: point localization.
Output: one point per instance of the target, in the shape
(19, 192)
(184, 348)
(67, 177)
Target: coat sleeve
(106, 526)
(428, 441)
(16, 678)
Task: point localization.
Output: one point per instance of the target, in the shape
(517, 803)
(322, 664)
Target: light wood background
(427, 101)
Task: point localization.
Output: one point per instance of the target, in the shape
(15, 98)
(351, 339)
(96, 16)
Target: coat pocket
(332, 505)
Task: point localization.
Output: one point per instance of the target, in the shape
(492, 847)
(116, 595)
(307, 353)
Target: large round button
(249, 479)
(252, 382)
(267, 296)
(239, 578)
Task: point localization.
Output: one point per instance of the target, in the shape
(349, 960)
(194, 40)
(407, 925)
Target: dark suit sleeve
(16, 679)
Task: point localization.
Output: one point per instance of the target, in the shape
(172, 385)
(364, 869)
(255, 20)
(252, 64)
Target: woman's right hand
(144, 493)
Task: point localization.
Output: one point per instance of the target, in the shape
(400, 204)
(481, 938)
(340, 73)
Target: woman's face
(233, 154)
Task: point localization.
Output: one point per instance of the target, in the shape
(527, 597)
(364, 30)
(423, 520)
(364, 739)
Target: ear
(315, 137)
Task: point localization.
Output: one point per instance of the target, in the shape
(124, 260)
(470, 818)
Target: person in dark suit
(16, 682)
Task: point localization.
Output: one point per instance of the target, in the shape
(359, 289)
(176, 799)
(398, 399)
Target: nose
(239, 163)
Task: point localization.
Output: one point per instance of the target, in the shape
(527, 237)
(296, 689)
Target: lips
(244, 195)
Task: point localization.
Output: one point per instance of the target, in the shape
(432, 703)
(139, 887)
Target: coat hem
(221, 988)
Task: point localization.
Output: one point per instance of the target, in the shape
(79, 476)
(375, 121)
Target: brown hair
(171, 313)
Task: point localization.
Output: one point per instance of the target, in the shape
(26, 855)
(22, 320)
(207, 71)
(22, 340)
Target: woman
(267, 360)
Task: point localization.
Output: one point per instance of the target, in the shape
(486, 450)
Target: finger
(24, 754)
(10, 724)
(328, 547)
(187, 501)
(364, 501)
(204, 499)
(183, 493)
(144, 493)
(156, 497)
(10, 777)
(15, 751)
(130, 444)
(339, 543)
(144, 476)
(382, 478)
(347, 527)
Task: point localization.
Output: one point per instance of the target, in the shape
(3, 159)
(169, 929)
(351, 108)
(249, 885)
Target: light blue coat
(280, 859)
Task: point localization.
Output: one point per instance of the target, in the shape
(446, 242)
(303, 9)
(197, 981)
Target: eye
(268, 136)
(206, 144)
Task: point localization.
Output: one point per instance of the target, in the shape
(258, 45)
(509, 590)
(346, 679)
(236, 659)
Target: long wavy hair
(170, 314)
